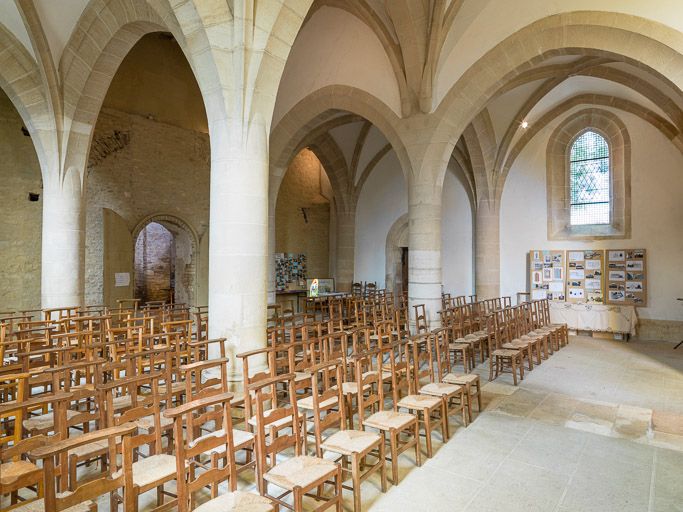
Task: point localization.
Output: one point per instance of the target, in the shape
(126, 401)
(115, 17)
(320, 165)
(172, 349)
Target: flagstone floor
(597, 427)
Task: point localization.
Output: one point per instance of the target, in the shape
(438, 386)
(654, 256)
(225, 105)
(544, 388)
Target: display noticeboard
(290, 269)
(626, 277)
(585, 276)
(546, 275)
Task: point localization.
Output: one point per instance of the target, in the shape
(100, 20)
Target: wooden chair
(512, 342)
(154, 469)
(452, 395)
(299, 474)
(420, 319)
(193, 476)
(430, 411)
(17, 471)
(470, 381)
(199, 387)
(82, 496)
(502, 359)
(352, 446)
(390, 423)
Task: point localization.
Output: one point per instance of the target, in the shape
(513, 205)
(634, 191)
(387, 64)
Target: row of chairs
(98, 391)
(159, 410)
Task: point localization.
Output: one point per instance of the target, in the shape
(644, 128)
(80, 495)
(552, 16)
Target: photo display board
(546, 275)
(585, 276)
(626, 276)
(290, 268)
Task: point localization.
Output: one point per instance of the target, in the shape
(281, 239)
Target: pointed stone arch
(653, 46)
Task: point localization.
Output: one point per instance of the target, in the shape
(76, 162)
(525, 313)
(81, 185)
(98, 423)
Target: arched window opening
(589, 180)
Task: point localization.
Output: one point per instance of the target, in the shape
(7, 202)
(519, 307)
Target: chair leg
(383, 467)
(521, 367)
(428, 431)
(394, 456)
(298, 499)
(514, 369)
(418, 453)
(445, 429)
(355, 477)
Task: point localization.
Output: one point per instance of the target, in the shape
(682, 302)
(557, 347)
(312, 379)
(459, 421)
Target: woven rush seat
(351, 388)
(240, 438)
(282, 422)
(147, 422)
(301, 376)
(456, 378)
(39, 505)
(505, 352)
(386, 375)
(152, 469)
(307, 402)
(237, 501)
(385, 420)
(10, 472)
(122, 402)
(301, 471)
(46, 421)
(176, 387)
(458, 345)
(347, 442)
(419, 402)
(440, 389)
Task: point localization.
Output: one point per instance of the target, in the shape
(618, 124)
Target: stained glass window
(589, 180)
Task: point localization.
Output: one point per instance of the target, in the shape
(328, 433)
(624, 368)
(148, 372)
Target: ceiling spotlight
(525, 124)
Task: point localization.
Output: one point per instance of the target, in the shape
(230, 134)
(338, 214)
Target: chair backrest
(328, 408)
(370, 392)
(420, 318)
(143, 391)
(396, 359)
(264, 359)
(193, 476)
(439, 342)
(90, 490)
(268, 412)
(416, 365)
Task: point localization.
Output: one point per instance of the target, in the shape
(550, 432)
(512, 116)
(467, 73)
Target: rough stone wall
(138, 168)
(21, 220)
(304, 186)
(154, 251)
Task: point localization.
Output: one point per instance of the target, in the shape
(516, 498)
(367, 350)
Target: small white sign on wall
(121, 279)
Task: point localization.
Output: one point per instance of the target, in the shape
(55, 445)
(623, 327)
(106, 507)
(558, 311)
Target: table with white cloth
(595, 317)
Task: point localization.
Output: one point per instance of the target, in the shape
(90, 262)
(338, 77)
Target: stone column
(271, 256)
(238, 226)
(63, 243)
(424, 262)
(346, 247)
(487, 250)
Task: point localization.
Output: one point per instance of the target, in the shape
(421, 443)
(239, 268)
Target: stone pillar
(424, 262)
(487, 250)
(63, 243)
(238, 227)
(346, 247)
(271, 256)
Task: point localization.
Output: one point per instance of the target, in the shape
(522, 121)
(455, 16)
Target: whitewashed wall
(384, 199)
(456, 238)
(656, 208)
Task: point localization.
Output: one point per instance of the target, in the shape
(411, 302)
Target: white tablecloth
(595, 317)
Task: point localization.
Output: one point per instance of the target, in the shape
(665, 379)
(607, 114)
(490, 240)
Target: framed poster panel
(547, 275)
(627, 277)
(585, 276)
